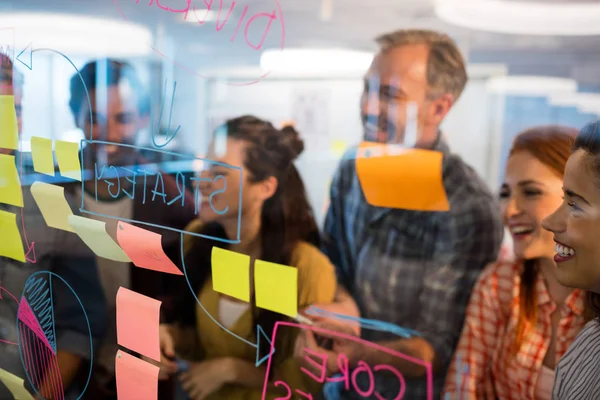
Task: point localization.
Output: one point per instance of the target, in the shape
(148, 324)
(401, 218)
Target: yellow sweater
(316, 285)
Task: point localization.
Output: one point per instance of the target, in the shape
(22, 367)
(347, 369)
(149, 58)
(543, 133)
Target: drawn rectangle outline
(428, 367)
(239, 169)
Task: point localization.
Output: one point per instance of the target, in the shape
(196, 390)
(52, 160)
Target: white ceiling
(353, 24)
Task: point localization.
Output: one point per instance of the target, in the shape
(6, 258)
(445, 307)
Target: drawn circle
(185, 68)
(36, 301)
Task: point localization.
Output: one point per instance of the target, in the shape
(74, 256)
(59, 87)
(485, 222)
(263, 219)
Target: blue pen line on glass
(364, 322)
(187, 157)
(169, 139)
(259, 330)
(87, 93)
(87, 321)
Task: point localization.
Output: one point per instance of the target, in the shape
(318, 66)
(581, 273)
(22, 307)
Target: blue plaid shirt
(411, 268)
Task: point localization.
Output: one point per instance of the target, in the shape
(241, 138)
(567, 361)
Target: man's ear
(440, 108)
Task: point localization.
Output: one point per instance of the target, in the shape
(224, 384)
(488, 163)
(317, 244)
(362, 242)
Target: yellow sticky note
(15, 385)
(10, 183)
(11, 245)
(41, 152)
(404, 178)
(67, 154)
(231, 273)
(9, 132)
(276, 287)
(338, 147)
(51, 201)
(93, 233)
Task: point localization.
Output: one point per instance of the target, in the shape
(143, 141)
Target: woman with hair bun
(277, 225)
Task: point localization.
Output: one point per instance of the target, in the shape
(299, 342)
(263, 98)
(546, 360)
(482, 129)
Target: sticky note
(136, 379)
(41, 152)
(230, 273)
(11, 245)
(144, 249)
(10, 183)
(51, 201)
(9, 132)
(338, 147)
(93, 233)
(15, 385)
(138, 317)
(67, 154)
(276, 287)
(404, 178)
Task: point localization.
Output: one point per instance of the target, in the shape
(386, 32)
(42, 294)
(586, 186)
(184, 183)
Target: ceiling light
(72, 34)
(315, 60)
(527, 18)
(530, 85)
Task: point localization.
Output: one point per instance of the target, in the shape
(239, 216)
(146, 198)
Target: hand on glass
(167, 364)
(206, 377)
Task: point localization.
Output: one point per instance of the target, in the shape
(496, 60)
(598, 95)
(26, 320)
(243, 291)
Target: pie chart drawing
(36, 332)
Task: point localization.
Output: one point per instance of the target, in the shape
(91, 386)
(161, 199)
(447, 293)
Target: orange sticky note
(138, 317)
(404, 178)
(144, 248)
(136, 379)
(230, 273)
(276, 287)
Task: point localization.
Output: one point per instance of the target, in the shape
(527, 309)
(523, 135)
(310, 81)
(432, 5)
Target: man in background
(118, 109)
(63, 254)
(414, 269)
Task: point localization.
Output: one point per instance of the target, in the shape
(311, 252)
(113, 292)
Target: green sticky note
(67, 154)
(11, 245)
(10, 183)
(41, 152)
(51, 201)
(276, 287)
(231, 273)
(9, 129)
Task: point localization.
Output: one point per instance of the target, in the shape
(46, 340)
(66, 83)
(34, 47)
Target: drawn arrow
(26, 52)
(259, 331)
(169, 139)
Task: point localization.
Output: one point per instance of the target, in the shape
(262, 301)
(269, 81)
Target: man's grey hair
(446, 71)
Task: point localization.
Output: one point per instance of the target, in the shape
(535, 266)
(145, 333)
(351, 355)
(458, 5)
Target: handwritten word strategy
(112, 178)
(219, 25)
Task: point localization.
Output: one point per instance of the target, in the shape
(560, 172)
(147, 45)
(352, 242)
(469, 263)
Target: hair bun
(293, 141)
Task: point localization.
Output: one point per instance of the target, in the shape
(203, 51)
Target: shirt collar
(575, 301)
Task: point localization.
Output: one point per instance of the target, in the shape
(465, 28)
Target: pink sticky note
(138, 317)
(136, 379)
(144, 248)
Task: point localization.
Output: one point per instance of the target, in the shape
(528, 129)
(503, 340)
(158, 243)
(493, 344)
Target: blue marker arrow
(26, 52)
(259, 331)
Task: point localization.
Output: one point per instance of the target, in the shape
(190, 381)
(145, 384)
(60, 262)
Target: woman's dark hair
(588, 140)
(286, 217)
(551, 145)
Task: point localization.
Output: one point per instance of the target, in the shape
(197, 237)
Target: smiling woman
(576, 226)
(520, 319)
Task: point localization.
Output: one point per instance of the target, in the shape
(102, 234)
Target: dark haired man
(119, 110)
